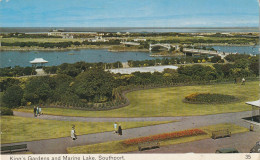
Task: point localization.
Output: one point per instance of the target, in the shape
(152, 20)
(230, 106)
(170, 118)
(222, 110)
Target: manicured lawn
(19, 129)
(169, 102)
(119, 147)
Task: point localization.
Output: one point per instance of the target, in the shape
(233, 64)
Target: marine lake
(22, 58)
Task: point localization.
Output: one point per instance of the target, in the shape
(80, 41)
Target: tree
(215, 59)
(37, 89)
(241, 63)
(94, 85)
(254, 67)
(12, 96)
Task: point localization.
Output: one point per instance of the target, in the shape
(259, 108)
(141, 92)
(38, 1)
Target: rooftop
(254, 103)
(38, 60)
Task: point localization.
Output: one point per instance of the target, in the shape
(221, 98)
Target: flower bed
(165, 136)
(209, 98)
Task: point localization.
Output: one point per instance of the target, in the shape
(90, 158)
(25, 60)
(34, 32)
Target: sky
(129, 13)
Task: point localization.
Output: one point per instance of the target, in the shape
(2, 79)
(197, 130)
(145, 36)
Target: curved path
(96, 119)
(59, 145)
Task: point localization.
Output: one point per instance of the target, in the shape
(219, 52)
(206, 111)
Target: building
(139, 40)
(38, 63)
(98, 39)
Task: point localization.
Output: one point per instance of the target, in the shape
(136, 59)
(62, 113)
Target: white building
(138, 40)
(98, 39)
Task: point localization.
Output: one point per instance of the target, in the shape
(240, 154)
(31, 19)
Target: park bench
(221, 133)
(148, 145)
(14, 148)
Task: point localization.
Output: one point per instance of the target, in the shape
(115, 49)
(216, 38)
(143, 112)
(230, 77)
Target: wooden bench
(14, 148)
(148, 145)
(221, 133)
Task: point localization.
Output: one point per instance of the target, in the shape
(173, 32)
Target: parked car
(227, 150)
(256, 148)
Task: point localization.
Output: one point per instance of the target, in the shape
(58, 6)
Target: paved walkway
(59, 145)
(90, 119)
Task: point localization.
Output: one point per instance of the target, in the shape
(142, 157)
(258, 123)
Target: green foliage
(12, 96)
(6, 111)
(6, 83)
(94, 85)
(209, 98)
(23, 35)
(254, 67)
(50, 70)
(234, 57)
(198, 72)
(38, 89)
(241, 63)
(17, 71)
(44, 45)
(215, 59)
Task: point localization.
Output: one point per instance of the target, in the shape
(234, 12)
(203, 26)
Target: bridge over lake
(165, 45)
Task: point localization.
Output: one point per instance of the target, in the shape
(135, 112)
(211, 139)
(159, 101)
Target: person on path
(119, 130)
(37, 110)
(34, 111)
(115, 127)
(243, 81)
(40, 110)
(73, 133)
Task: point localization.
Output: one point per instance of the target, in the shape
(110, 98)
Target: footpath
(59, 145)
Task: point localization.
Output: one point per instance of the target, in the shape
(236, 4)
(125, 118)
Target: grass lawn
(20, 129)
(168, 102)
(119, 147)
(187, 38)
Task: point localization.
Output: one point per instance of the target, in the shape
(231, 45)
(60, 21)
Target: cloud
(7, 0)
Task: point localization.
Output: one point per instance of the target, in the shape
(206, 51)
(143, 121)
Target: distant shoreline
(132, 29)
(4, 48)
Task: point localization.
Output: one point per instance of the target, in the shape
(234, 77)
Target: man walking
(73, 133)
(34, 111)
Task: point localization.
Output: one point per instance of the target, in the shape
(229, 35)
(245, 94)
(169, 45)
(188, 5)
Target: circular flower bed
(209, 98)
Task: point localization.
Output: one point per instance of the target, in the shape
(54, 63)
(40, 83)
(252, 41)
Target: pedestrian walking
(115, 127)
(40, 110)
(34, 111)
(119, 130)
(73, 133)
(243, 81)
(37, 110)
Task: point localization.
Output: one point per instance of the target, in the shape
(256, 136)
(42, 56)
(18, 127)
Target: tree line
(42, 44)
(23, 35)
(95, 88)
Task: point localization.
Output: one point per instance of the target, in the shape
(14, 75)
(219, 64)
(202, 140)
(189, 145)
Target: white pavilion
(38, 63)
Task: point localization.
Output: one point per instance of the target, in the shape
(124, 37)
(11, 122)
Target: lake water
(22, 58)
(238, 49)
(13, 58)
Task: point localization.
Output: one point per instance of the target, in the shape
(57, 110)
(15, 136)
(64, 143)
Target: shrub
(165, 136)
(6, 111)
(12, 96)
(209, 98)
